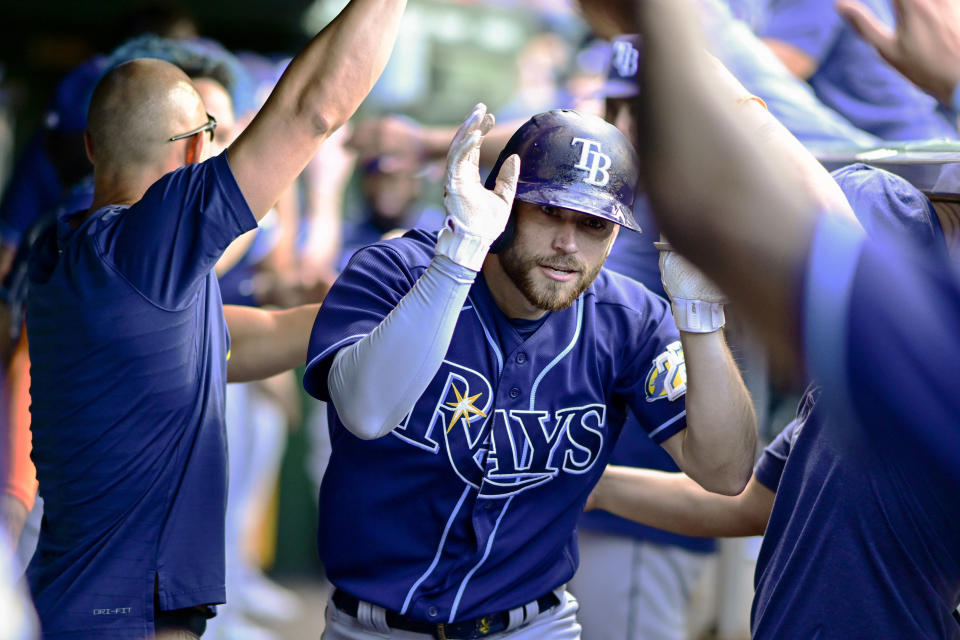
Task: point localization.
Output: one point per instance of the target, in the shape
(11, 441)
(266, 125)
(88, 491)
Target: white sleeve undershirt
(377, 381)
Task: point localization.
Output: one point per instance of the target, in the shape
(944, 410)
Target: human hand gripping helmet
(572, 161)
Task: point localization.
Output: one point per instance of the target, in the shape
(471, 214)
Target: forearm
(264, 343)
(318, 92)
(718, 446)
(331, 77)
(675, 502)
(377, 381)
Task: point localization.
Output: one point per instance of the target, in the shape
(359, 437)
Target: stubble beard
(545, 294)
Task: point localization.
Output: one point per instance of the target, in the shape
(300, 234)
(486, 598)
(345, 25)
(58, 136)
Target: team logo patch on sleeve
(667, 377)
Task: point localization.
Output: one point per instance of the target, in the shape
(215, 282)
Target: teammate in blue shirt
(865, 536)
(129, 340)
(475, 398)
(818, 45)
(887, 206)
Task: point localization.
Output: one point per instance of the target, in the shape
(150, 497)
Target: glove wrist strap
(464, 249)
(697, 316)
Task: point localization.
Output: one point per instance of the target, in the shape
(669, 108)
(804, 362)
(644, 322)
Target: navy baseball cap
(71, 98)
(889, 206)
(621, 79)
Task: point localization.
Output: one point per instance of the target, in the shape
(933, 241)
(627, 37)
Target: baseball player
(475, 397)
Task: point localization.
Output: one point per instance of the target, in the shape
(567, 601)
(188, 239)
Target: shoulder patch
(667, 377)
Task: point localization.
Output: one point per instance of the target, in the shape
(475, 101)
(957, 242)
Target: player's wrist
(464, 249)
(697, 316)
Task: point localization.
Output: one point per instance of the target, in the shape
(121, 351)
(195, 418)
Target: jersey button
(521, 358)
(432, 612)
(515, 392)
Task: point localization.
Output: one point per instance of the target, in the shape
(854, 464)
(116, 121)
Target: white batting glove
(696, 301)
(475, 216)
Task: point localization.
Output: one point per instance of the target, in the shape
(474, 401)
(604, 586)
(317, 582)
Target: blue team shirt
(864, 537)
(851, 77)
(129, 347)
(449, 516)
(769, 467)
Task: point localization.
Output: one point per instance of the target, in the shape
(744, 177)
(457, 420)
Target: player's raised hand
(697, 301)
(475, 216)
(924, 46)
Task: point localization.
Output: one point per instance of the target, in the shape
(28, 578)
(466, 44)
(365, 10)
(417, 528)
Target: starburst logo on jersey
(501, 452)
(463, 407)
(460, 399)
(667, 377)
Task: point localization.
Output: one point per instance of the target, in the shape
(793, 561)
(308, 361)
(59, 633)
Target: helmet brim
(607, 208)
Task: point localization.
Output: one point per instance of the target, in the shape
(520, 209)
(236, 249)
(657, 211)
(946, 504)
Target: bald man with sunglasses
(132, 347)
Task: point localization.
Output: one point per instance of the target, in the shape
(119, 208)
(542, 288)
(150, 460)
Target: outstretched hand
(476, 216)
(924, 46)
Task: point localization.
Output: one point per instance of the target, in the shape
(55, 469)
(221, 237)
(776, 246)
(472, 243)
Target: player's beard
(541, 292)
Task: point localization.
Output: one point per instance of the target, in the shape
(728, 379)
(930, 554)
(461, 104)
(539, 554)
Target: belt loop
(532, 609)
(372, 617)
(515, 618)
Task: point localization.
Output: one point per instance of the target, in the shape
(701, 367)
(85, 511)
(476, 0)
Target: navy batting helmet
(572, 161)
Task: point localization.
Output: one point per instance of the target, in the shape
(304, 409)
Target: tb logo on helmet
(594, 161)
(625, 58)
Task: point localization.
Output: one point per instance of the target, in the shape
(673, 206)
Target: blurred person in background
(817, 45)
(391, 189)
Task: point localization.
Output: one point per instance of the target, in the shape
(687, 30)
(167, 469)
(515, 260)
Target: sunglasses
(941, 196)
(208, 127)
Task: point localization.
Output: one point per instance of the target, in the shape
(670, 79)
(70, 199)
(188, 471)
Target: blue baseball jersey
(129, 348)
(864, 537)
(469, 505)
(851, 77)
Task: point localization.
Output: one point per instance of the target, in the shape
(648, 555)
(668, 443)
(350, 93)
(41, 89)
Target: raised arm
(264, 343)
(318, 92)
(747, 217)
(675, 502)
(417, 332)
